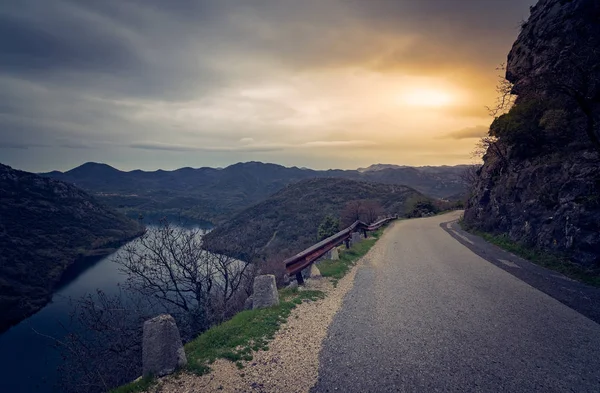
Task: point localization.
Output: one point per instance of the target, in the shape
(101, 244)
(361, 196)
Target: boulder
(335, 255)
(162, 350)
(265, 292)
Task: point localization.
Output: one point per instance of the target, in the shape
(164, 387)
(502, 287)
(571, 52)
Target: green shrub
(328, 227)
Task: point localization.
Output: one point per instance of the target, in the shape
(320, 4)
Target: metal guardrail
(304, 259)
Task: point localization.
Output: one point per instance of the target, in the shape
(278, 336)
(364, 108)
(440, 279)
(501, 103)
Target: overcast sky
(317, 83)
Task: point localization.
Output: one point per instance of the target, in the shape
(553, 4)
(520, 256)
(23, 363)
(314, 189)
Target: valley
(215, 195)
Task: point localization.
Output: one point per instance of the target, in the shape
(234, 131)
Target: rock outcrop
(540, 182)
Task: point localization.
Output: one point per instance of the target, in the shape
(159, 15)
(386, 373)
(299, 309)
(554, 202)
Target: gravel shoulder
(292, 362)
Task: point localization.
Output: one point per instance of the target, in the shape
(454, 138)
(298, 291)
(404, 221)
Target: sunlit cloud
(468, 133)
(184, 148)
(309, 83)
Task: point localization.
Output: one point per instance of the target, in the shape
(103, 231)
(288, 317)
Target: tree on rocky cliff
(505, 98)
(470, 175)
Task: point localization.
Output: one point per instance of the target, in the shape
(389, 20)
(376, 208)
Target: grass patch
(140, 385)
(553, 261)
(348, 258)
(247, 331)
(251, 330)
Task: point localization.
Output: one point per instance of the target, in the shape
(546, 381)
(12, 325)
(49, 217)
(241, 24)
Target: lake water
(27, 360)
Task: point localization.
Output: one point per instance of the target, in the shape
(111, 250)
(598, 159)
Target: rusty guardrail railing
(304, 259)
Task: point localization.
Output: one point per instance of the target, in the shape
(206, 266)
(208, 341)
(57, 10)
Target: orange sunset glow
(322, 84)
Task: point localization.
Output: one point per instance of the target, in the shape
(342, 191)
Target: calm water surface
(27, 360)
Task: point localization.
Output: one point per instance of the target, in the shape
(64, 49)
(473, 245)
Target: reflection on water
(27, 360)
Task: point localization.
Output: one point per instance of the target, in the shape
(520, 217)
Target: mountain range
(214, 195)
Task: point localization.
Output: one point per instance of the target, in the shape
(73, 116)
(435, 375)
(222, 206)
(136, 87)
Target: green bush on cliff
(520, 128)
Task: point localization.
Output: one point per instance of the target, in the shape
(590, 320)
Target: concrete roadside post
(264, 292)
(162, 350)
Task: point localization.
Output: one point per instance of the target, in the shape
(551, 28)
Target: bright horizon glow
(427, 97)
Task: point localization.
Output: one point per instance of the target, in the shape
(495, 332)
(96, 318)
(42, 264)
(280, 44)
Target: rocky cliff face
(559, 37)
(540, 183)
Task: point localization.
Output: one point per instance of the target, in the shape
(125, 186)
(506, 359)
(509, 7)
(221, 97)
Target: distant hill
(215, 195)
(45, 225)
(378, 167)
(287, 222)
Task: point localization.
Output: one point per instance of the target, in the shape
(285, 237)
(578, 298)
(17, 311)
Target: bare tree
(493, 146)
(371, 211)
(169, 264)
(102, 345)
(352, 211)
(470, 175)
(505, 98)
(167, 271)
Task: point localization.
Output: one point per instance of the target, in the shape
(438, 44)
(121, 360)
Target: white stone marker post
(265, 292)
(162, 350)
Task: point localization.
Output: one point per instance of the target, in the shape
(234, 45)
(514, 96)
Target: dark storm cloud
(78, 73)
(165, 48)
(445, 33)
(49, 41)
(105, 47)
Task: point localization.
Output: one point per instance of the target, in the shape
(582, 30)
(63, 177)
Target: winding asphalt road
(426, 314)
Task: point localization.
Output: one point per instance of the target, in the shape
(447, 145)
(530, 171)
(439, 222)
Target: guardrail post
(299, 278)
(365, 233)
(347, 242)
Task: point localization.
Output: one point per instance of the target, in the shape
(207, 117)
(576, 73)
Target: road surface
(426, 314)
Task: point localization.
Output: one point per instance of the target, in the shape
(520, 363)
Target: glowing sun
(427, 98)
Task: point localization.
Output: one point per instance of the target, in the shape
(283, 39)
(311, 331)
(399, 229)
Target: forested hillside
(215, 195)
(45, 225)
(287, 222)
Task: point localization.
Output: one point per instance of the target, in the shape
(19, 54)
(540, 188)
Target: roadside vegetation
(137, 386)
(236, 339)
(286, 224)
(251, 330)
(348, 258)
(554, 261)
(247, 331)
